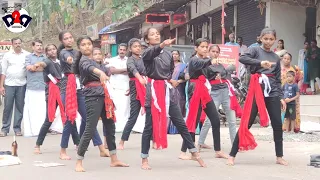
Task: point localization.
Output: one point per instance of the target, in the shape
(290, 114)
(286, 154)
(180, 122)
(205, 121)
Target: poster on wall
(92, 31)
(108, 39)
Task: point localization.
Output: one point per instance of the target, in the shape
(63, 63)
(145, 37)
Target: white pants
(34, 112)
(312, 84)
(122, 103)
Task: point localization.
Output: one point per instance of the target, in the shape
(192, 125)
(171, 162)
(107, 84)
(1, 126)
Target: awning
(115, 31)
(107, 28)
(161, 6)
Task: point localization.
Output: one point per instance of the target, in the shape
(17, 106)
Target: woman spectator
(286, 67)
(280, 51)
(313, 58)
(303, 65)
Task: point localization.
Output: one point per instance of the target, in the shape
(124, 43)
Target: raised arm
(150, 53)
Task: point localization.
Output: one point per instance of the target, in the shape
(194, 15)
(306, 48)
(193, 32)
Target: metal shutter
(216, 23)
(250, 21)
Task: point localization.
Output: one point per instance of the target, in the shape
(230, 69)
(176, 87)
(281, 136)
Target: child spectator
(291, 93)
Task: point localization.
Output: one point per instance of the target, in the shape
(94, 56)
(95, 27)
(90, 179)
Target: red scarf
(159, 117)
(141, 92)
(234, 104)
(109, 105)
(200, 95)
(246, 139)
(54, 97)
(71, 98)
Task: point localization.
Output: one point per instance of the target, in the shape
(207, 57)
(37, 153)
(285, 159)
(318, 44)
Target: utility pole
(41, 22)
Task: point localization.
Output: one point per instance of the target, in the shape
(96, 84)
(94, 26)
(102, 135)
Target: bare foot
(145, 165)
(118, 164)
(204, 146)
(196, 157)
(104, 153)
(64, 156)
(230, 161)
(281, 161)
(154, 145)
(121, 145)
(37, 150)
(79, 167)
(220, 154)
(184, 156)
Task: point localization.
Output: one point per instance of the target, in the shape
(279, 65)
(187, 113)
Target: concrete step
(310, 108)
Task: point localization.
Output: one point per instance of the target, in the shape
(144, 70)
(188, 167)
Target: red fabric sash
(109, 105)
(234, 104)
(159, 117)
(246, 139)
(200, 95)
(141, 92)
(71, 98)
(54, 97)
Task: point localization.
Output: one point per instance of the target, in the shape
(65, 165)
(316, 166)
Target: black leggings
(273, 106)
(213, 116)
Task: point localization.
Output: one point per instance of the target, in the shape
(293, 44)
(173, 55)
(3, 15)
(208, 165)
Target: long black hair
(76, 63)
(61, 46)
(130, 43)
(197, 44)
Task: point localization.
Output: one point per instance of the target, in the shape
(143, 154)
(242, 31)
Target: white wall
(289, 22)
(204, 7)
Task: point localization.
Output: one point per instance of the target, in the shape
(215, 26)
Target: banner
(229, 56)
(4, 47)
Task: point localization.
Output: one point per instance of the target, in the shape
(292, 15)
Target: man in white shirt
(13, 87)
(119, 80)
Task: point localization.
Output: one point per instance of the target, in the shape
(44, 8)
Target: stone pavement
(253, 165)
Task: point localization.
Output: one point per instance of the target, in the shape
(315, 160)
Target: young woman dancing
(222, 93)
(97, 102)
(137, 84)
(265, 67)
(52, 76)
(161, 100)
(199, 71)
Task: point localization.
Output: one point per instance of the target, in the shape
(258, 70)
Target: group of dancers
(80, 83)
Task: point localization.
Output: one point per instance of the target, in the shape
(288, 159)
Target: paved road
(257, 164)
(253, 165)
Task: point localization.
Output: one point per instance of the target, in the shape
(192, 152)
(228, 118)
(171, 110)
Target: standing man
(243, 48)
(258, 43)
(119, 80)
(34, 112)
(232, 40)
(13, 87)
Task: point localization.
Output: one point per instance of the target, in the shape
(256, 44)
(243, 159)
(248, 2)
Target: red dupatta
(200, 95)
(54, 97)
(246, 139)
(71, 98)
(141, 92)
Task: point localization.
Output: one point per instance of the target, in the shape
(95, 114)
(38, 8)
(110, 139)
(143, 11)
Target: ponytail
(76, 63)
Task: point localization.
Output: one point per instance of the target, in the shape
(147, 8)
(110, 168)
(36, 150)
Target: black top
(52, 68)
(253, 57)
(86, 68)
(158, 63)
(197, 67)
(212, 72)
(63, 56)
(135, 65)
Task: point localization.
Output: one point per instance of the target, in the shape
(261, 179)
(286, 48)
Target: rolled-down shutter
(216, 24)
(250, 21)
